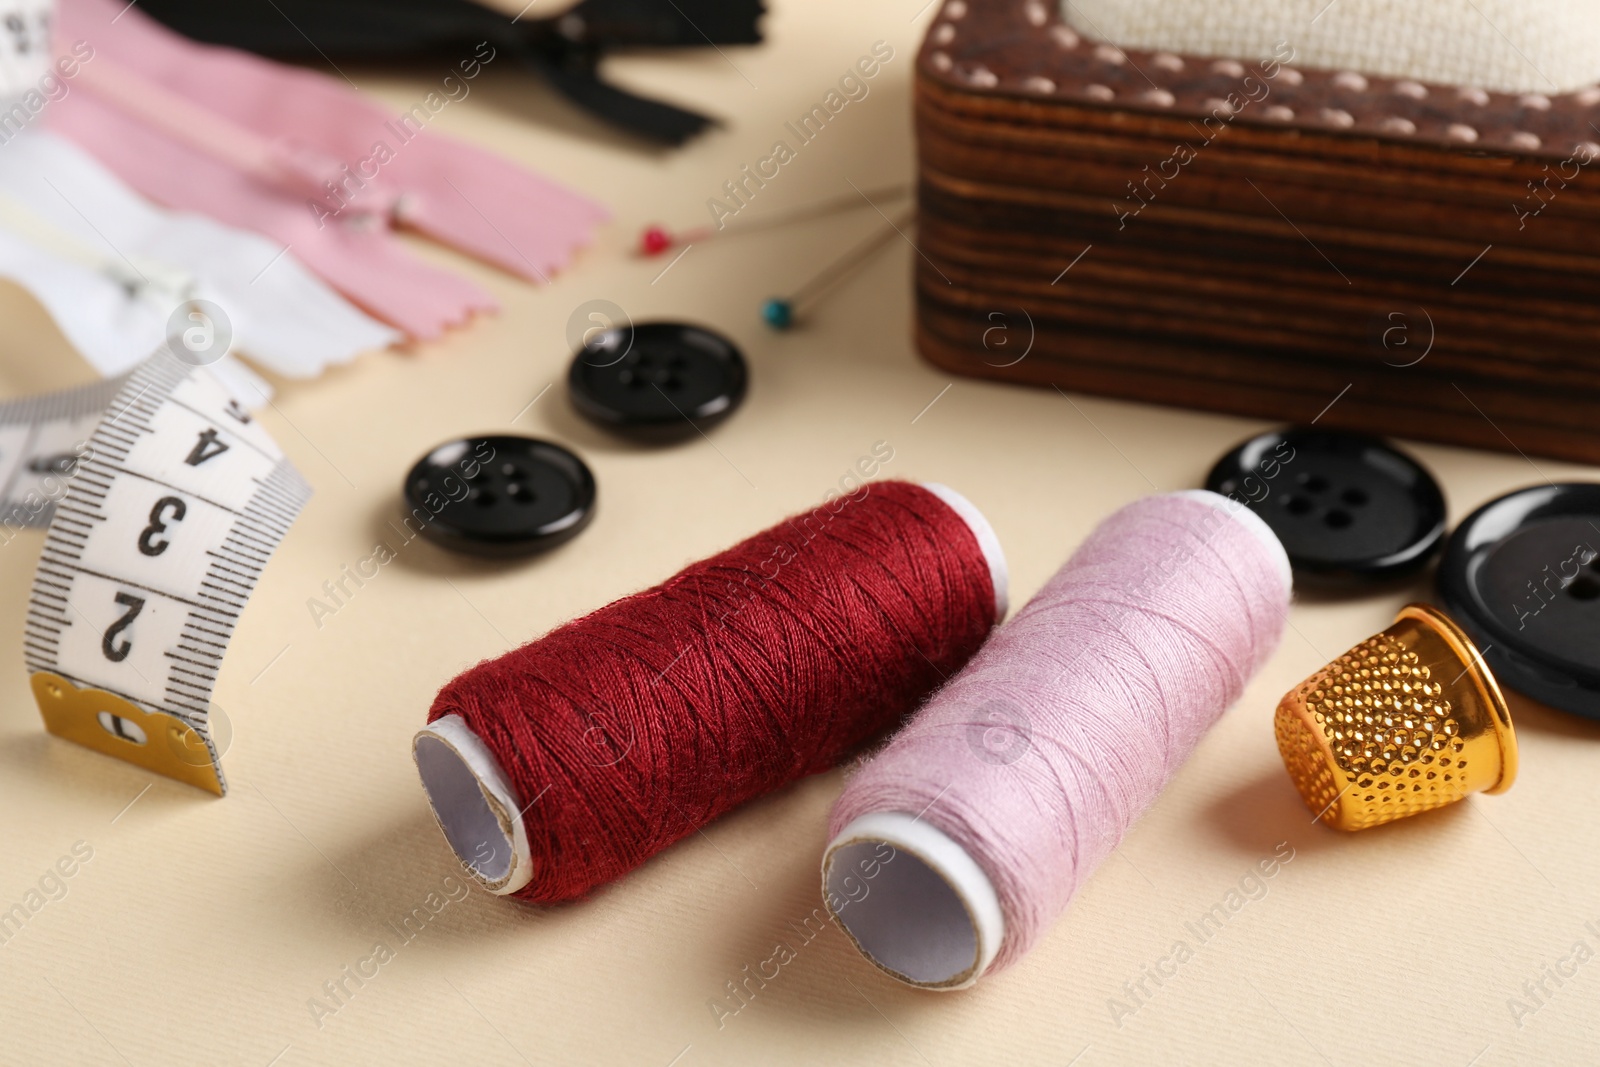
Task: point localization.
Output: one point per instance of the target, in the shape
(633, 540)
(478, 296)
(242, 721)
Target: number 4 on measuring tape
(205, 447)
(171, 510)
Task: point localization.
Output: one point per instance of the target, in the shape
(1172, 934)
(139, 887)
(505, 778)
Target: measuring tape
(40, 442)
(164, 500)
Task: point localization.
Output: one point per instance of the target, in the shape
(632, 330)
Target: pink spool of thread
(1019, 777)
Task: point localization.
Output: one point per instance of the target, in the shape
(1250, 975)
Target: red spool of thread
(570, 761)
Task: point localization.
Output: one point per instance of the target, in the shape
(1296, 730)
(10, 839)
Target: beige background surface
(201, 927)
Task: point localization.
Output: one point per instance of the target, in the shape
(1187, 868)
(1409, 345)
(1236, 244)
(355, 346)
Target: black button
(1350, 509)
(500, 496)
(1522, 575)
(657, 381)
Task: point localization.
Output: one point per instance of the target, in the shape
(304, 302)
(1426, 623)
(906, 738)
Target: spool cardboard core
(926, 914)
(481, 813)
(474, 803)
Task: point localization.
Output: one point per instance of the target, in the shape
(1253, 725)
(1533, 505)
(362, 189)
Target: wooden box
(1247, 236)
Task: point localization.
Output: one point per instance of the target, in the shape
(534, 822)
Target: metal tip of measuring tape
(117, 727)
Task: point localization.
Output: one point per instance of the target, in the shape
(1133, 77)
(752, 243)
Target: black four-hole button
(657, 381)
(1350, 509)
(500, 496)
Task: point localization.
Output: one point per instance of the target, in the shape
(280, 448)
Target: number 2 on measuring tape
(109, 644)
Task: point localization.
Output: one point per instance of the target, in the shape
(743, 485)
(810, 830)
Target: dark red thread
(638, 724)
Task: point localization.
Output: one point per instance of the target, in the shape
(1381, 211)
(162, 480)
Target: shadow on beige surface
(1268, 809)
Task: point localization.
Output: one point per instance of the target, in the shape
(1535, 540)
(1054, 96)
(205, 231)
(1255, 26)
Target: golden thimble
(1409, 720)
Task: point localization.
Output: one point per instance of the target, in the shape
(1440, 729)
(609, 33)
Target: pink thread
(1044, 749)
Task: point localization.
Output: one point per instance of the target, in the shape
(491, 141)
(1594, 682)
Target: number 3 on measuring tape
(171, 510)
